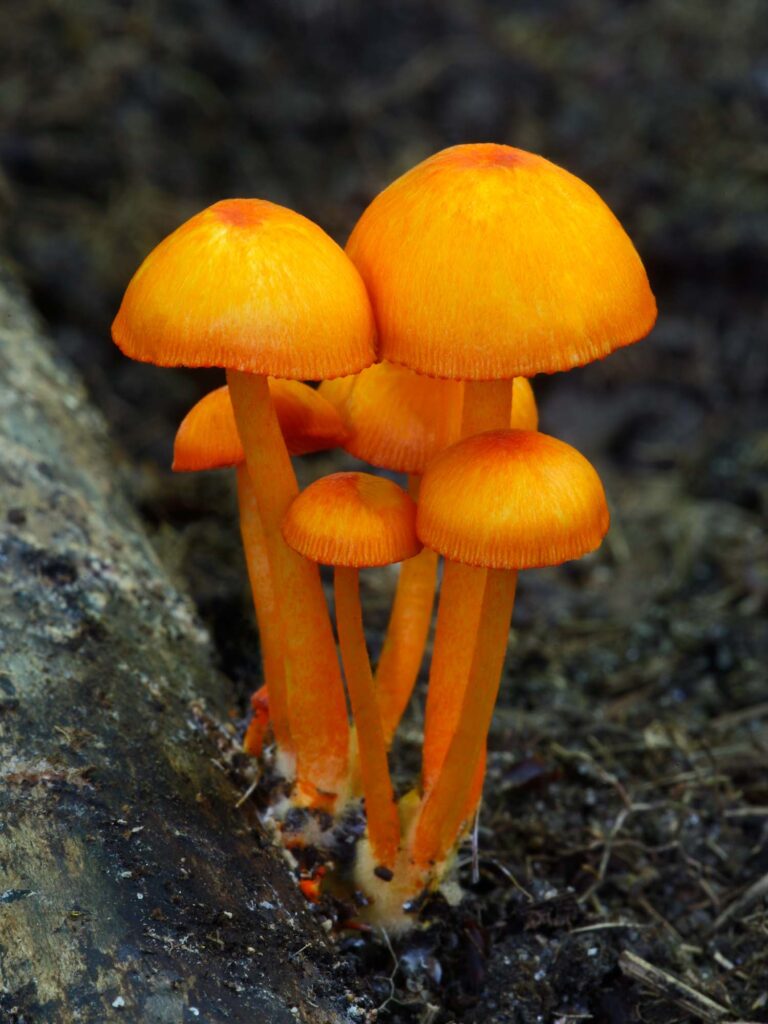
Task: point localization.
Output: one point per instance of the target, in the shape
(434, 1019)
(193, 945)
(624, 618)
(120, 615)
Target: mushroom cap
(207, 437)
(352, 519)
(399, 420)
(486, 262)
(248, 285)
(511, 499)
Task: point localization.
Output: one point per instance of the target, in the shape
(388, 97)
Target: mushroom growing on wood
(260, 290)
(208, 439)
(352, 521)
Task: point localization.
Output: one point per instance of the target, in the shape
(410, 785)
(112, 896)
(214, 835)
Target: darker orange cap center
(487, 154)
(241, 213)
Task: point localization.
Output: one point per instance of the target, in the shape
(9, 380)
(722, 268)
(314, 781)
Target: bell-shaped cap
(486, 262)
(208, 439)
(399, 420)
(512, 499)
(248, 285)
(352, 519)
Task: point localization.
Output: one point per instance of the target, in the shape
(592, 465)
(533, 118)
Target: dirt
(626, 809)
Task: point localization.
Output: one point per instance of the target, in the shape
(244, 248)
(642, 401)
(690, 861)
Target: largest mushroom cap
(511, 499)
(248, 285)
(487, 262)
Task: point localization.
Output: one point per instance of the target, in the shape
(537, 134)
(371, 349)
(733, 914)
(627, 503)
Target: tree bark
(131, 888)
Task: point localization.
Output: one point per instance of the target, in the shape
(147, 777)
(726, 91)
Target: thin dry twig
(755, 892)
(672, 988)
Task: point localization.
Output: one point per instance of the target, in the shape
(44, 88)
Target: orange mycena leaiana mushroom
(260, 290)
(352, 521)
(485, 263)
(399, 420)
(208, 439)
(496, 502)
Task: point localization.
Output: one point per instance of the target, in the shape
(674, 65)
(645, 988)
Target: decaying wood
(131, 888)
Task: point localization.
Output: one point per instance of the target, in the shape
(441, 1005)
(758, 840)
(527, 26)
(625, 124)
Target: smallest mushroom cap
(208, 439)
(353, 519)
(512, 499)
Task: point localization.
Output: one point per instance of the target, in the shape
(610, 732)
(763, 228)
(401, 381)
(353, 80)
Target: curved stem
(381, 811)
(445, 807)
(267, 614)
(317, 710)
(407, 631)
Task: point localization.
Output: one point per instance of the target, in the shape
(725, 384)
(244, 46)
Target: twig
(734, 718)
(755, 892)
(672, 988)
(476, 846)
(608, 846)
(391, 979)
(603, 926)
(249, 792)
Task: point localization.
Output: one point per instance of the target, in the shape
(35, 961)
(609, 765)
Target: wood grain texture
(130, 887)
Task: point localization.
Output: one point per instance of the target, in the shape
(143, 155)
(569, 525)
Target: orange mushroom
(350, 521)
(496, 502)
(208, 439)
(260, 290)
(485, 263)
(399, 420)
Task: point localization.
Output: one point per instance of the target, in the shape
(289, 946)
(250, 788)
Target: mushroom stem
(317, 709)
(445, 807)
(409, 622)
(267, 615)
(253, 741)
(381, 810)
(458, 618)
(487, 406)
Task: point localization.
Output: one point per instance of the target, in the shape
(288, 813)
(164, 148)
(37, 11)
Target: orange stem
(267, 613)
(487, 405)
(407, 631)
(317, 709)
(445, 807)
(458, 618)
(253, 742)
(380, 808)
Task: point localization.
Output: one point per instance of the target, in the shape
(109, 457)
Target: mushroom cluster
(476, 270)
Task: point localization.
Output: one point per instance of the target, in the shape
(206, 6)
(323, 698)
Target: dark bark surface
(131, 888)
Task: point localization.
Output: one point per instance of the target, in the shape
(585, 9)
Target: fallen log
(131, 887)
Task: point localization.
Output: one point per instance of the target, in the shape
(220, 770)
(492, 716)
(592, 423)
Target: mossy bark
(131, 888)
